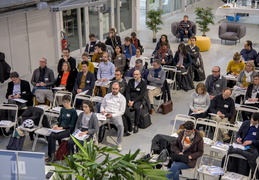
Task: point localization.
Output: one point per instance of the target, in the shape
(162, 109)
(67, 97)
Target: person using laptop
(189, 143)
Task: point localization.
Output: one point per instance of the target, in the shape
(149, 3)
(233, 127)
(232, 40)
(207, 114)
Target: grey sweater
(93, 125)
(158, 82)
(218, 85)
(49, 77)
(199, 102)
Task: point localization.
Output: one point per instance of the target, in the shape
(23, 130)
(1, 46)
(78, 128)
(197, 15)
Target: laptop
(180, 158)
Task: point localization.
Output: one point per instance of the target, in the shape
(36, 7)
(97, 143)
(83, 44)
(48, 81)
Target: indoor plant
(204, 17)
(154, 19)
(95, 163)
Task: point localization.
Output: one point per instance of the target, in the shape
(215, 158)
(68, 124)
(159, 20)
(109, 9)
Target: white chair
(81, 97)
(8, 123)
(209, 124)
(160, 97)
(42, 131)
(228, 172)
(182, 118)
(245, 108)
(229, 127)
(58, 95)
(256, 169)
(171, 70)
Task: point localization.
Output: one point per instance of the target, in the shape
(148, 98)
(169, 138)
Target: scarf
(42, 74)
(187, 141)
(162, 53)
(214, 79)
(134, 41)
(156, 72)
(114, 41)
(248, 76)
(130, 49)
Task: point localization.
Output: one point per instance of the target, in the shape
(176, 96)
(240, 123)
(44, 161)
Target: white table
(221, 11)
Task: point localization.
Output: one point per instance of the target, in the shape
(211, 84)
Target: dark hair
(185, 16)
(85, 62)
(193, 37)
(127, 39)
(201, 86)
(85, 54)
(139, 61)
(91, 35)
(166, 38)
(256, 75)
(157, 61)
(164, 43)
(255, 116)
(133, 34)
(118, 71)
(66, 98)
(227, 88)
(89, 104)
(139, 48)
(115, 48)
(112, 29)
(66, 49)
(249, 43)
(189, 125)
(98, 45)
(14, 74)
(183, 48)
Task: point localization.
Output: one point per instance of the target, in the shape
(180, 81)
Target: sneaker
(119, 147)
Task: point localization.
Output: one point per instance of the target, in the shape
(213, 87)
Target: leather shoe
(152, 111)
(135, 130)
(127, 134)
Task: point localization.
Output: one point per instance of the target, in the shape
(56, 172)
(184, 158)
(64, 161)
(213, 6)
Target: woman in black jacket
(66, 77)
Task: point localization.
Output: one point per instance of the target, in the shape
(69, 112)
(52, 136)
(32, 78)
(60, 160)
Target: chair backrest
(182, 118)
(10, 107)
(81, 97)
(175, 28)
(58, 96)
(230, 127)
(208, 123)
(245, 108)
(256, 169)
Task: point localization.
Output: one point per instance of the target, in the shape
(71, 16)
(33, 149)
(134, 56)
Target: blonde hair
(250, 63)
(236, 56)
(202, 86)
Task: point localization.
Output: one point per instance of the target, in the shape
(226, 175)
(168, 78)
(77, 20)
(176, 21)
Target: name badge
(68, 115)
(24, 92)
(225, 106)
(159, 76)
(193, 50)
(46, 79)
(119, 57)
(166, 54)
(238, 69)
(138, 89)
(100, 58)
(254, 133)
(91, 46)
(125, 51)
(88, 81)
(59, 77)
(217, 85)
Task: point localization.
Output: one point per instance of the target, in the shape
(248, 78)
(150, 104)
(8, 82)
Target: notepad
(81, 138)
(180, 158)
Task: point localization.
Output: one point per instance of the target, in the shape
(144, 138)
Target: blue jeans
(182, 33)
(175, 170)
(38, 87)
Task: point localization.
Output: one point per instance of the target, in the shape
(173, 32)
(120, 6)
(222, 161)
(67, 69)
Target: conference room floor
(219, 54)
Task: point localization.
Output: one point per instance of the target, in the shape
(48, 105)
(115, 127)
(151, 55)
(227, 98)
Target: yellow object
(202, 42)
(90, 67)
(235, 67)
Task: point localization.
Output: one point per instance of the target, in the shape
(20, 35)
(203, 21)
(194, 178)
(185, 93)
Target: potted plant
(95, 163)
(154, 19)
(204, 17)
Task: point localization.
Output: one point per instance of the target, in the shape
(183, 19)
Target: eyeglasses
(214, 71)
(42, 61)
(136, 74)
(117, 74)
(85, 107)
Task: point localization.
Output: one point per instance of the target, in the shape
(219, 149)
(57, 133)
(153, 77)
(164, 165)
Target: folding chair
(170, 70)
(229, 127)
(209, 126)
(58, 95)
(227, 173)
(6, 121)
(81, 97)
(182, 118)
(244, 108)
(190, 173)
(159, 97)
(256, 169)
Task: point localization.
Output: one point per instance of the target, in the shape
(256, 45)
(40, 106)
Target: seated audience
(182, 60)
(18, 89)
(98, 53)
(223, 106)
(42, 77)
(234, 68)
(120, 60)
(189, 142)
(200, 102)
(135, 41)
(89, 48)
(138, 66)
(248, 53)
(185, 27)
(66, 57)
(120, 80)
(87, 123)
(113, 107)
(156, 77)
(164, 54)
(106, 72)
(90, 64)
(85, 80)
(215, 83)
(113, 40)
(135, 92)
(66, 78)
(192, 49)
(128, 49)
(66, 121)
(134, 58)
(163, 38)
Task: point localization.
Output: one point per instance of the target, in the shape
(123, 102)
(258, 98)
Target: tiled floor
(219, 54)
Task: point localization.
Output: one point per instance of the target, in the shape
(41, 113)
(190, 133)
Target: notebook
(180, 158)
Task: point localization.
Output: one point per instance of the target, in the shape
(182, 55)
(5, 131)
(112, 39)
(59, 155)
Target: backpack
(16, 143)
(62, 151)
(101, 133)
(145, 119)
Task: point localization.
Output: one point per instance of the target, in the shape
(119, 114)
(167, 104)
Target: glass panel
(70, 28)
(177, 4)
(167, 6)
(126, 15)
(83, 27)
(106, 25)
(153, 4)
(94, 22)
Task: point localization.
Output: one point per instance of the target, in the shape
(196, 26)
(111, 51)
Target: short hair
(137, 70)
(133, 34)
(193, 37)
(98, 45)
(217, 67)
(44, 59)
(189, 125)
(112, 29)
(139, 61)
(89, 104)
(185, 16)
(14, 74)
(119, 71)
(85, 62)
(227, 88)
(164, 43)
(66, 98)
(249, 43)
(66, 49)
(91, 35)
(250, 63)
(127, 39)
(255, 116)
(236, 56)
(256, 75)
(85, 54)
(201, 86)
(157, 61)
(68, 65)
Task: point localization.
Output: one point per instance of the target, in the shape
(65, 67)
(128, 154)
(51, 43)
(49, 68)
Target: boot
(51, 158)
(135, 130)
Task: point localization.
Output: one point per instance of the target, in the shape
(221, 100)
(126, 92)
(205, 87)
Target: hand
(42, 84)
(99, 80)
(82, 133)
(79, 90)
(211, 97)
(103, 112)
(105, 80)
(222, 116)
(249, 99)
(16, 96)
(190, 157)
(177, 65)
(194, 53)
(182, 66)
(195, 110)
(109, 115)
(239, 140)
(219, 113)
(37, 84)
(55, 127)
(247, 143)
(181, 153)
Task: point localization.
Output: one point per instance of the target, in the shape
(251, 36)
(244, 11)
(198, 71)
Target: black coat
(89, 82)
(115, 40)
(70, 80)
(25, 91)
(249, 92)
(72, 62)
(5, 68)
(136, 94)
(186, 61)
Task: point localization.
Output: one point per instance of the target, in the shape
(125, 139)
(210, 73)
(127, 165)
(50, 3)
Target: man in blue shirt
(248, 53)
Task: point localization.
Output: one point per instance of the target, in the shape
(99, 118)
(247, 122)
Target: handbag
(166, 107)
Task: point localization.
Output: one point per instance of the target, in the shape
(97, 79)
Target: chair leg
(34, 143)
(159, 103)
